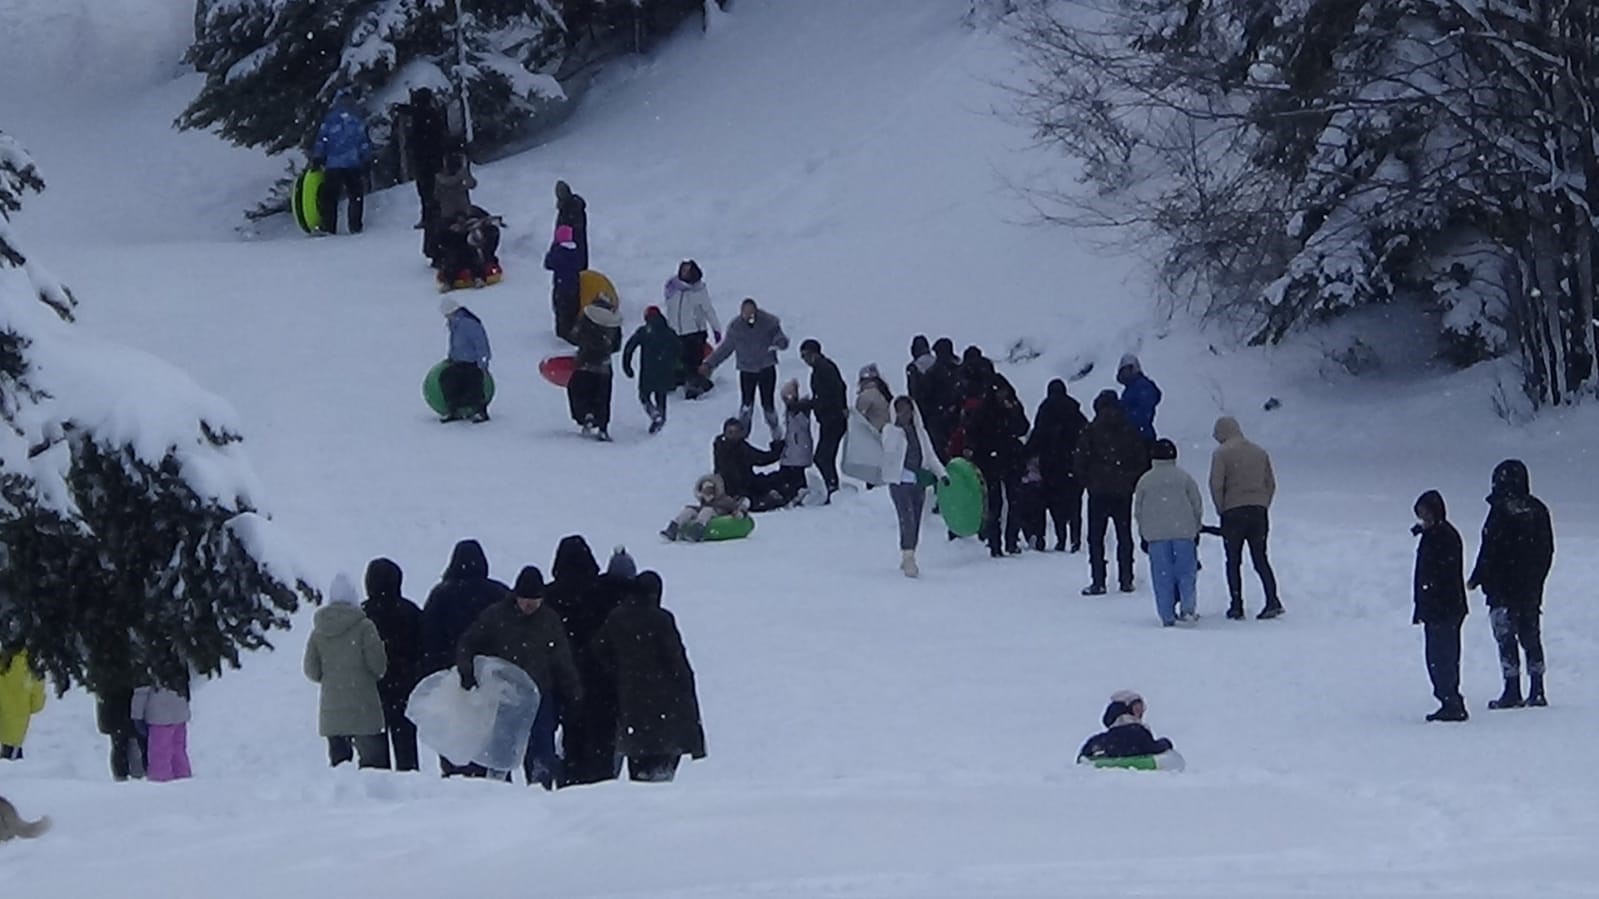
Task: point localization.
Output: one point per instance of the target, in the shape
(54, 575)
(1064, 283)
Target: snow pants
(588, 397)
(1065, 503)
(1518, 631)
(652, 768)
(337, 184)
(169, 753)
(654, 403)
(462, 386)
(828, 440)
(1105, 509)
(1443, 660)
(372, 749)
(910, 500)
(764, 381)
(1174, 576)
(1248, 525)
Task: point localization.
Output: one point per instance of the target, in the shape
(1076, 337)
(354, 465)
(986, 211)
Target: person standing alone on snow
(1242, 485)
(830, 404)
(910, 466)
(1140, 395)
(659, 363)
(399, 624)
(755, 338)
(345, 657)
(1111, 456)
(691, 316)
(1440, 594)
(1518, 549)
(1170, 510)
(21, 697)
(565, 262)
(343, 151)
(463, 381)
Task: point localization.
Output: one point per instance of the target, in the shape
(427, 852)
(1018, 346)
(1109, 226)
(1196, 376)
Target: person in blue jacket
(462, 382)
(342, 151)
(1126, 735)
(1140, 395)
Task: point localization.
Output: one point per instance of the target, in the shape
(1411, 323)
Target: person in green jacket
(658, 364)
(345, 656)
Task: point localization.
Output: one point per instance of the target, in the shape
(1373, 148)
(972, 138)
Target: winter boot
(693, 532)
(1271, 611)
(1235, 612)
(907, 563)
(656, 424)
(602, 435)
(1511, 698)
(1450, 710)
(670, 531)
(1535, 694)
(1127, 587)
(1094, 590)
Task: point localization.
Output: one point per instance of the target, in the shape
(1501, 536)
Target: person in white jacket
(909, 466)
(688, 310)
(1169, 509)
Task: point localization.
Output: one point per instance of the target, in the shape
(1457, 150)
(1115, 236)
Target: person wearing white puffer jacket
(909, 465)
(688, 310)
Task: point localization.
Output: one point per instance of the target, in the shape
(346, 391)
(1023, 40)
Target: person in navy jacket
(1140, 395)
(1127, 734)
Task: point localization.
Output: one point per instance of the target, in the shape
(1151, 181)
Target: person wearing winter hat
(1513, 563)
(1169, 510)
(1056, 429)
(346, 658)
(1140, 395)
(1126, 734)
(523, 630)
(1440, 597)
(462, 381)
(565, 261)
(689, 313)
(754, 339)
(588, 394)
(659, 358)
(872, 397)
(799, 445)
(571, 211)
(1110, 458)
(399, 624)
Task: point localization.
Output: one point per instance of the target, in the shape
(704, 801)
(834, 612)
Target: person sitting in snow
(462, 382)
(1127, 734)
(711, 501)
(735, 461)
(659, 363)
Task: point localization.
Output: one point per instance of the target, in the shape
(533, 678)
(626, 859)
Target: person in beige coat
(345, 656)
(1242, 485)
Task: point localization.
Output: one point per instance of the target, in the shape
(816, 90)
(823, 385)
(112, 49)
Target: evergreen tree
(130, 546)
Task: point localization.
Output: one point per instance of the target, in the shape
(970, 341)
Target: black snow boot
(1094, 590)
(1270, 612)
(1451, 710)
(1235, 612)
(1535, 694)
(1511, 698)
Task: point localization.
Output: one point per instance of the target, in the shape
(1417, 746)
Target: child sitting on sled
(712, 502)
(1127, 734)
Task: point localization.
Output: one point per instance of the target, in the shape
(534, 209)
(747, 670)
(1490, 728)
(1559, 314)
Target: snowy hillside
(869, 736)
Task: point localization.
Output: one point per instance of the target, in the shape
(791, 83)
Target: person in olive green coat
(345, 656)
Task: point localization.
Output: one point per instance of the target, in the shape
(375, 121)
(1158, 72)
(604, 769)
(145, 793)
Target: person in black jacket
(734, 460)
(425, 136)
(940, 403)
(658, 709)
(1518, 549)
(830, 406)
(572, 211)
(1111, 456)
(463, 594)
(1440, 602)
(1127, 735)
(994, 444)
(584, 599)
(1056, 427)
(399, 623)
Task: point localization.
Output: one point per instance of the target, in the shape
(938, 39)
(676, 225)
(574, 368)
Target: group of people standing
(609, 662)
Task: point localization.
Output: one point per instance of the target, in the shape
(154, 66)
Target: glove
(468, 679)
(1415, 530)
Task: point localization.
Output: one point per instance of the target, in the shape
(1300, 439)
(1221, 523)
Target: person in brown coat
(659, 709)
(1242, 485)
(1111, 456)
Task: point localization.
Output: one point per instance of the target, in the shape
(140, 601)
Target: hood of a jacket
(337, 620)
(1511, 480)
(646, 590)
(1434, 500)
(342, 591)
(383, 580)
(468, 561)
(1227, 429)
(574, 561)
(715, 480)
(602, 314)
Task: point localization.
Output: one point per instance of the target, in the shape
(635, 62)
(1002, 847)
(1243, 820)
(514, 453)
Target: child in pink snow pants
(164, 716)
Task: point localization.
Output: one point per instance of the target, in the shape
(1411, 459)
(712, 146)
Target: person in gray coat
(754, 339)
(345, 656)
(799, 444)
(1169, 510)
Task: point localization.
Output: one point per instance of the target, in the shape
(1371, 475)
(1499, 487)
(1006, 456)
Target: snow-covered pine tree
(131, 548)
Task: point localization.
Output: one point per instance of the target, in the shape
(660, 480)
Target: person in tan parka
(21, 697)
(1242, 485)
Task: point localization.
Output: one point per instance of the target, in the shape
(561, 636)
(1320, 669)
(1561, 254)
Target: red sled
(558, 369)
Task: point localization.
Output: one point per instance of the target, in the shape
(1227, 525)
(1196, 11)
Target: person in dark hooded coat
(1111, 456)
(463, 594)
(1440, 594)
(1056, 428)
(584, 600)
(940, 402)
(993, 441)
(1126, 734)
(658, 706)
(399, 624)
(1513, 562)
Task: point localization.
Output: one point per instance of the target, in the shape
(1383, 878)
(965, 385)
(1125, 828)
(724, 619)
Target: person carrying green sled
(659, 361)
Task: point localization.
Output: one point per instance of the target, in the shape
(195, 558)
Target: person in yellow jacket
(21, 697)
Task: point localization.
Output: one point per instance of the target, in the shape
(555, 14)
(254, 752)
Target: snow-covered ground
(869, 736)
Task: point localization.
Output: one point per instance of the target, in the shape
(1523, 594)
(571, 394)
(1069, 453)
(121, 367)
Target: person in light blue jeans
(1169, 510)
